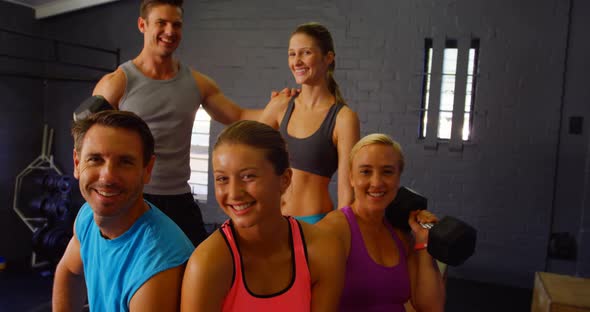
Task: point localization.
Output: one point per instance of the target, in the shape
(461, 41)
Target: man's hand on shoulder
(277, 106)
(290, 92)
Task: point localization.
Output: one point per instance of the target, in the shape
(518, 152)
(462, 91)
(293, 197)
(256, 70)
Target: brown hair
(324, 40)
(146, 5)
(378, 138)
(257, 135)
(115, 119)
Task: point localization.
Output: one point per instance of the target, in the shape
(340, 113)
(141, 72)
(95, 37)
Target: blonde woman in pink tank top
(260, 260)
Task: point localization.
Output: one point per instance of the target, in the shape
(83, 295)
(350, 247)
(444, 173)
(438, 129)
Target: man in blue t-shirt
(126, 254)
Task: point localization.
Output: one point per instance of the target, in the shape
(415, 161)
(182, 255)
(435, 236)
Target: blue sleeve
(165, 246)
(83, 220)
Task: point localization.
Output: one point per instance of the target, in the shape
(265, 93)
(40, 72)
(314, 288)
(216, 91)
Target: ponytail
(333, 85)
(324, 40)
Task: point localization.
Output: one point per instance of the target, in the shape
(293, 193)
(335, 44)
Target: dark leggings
(184, 211)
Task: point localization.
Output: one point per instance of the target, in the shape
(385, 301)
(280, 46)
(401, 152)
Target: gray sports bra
(316, 153)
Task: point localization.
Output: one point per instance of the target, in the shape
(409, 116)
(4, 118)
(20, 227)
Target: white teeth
(376, 194)
(107, 194)
(241, 207)
(300, 71)
(166, 40)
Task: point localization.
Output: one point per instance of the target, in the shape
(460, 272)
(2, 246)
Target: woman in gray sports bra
(318, 126)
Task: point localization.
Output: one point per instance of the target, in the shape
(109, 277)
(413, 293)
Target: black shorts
(184, 211)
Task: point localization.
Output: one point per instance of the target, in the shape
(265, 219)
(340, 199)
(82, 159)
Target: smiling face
(162, 29)
(111, 171)
(247, 187)
(308, 63)
(375, 176)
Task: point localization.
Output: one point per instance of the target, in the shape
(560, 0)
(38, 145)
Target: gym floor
(31, 292)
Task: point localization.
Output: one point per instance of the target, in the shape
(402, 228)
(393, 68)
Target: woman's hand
(417, 217)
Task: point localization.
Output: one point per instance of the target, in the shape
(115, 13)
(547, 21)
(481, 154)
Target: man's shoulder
(112, 87)
(161, 230)
(113, 79)
(84, 220)
(157, 238)
(160, 222)
(85, 210)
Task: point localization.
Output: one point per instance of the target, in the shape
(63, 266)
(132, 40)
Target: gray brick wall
(572, 205)
(502, 182)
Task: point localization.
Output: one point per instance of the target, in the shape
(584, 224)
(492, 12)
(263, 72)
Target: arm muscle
(69, 288)
(347, 132)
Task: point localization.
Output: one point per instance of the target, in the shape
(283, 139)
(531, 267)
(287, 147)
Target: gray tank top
(169, 108)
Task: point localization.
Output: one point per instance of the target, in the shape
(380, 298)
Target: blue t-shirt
(115, 269)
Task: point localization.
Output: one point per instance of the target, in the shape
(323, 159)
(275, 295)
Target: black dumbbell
(51, 241)
(52, 206)
(398, 211)
(91, 105)
(450, 240)
(62, 184)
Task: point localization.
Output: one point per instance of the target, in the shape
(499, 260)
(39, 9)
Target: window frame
(435, 76)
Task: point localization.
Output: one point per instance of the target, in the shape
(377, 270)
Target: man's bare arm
(112, 87)
(160, 293)
(224, 110)
(69, 287)
(220, 107)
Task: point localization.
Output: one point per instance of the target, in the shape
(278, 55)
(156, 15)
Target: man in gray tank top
(166, 94)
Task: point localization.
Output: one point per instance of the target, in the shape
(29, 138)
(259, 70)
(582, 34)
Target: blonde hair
(378, 138)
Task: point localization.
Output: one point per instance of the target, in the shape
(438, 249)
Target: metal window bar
(200, 154)
(428, 75)
(447, 90)
(426, 71)
(473, 73)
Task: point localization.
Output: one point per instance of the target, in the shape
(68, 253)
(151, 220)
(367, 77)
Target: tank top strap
(299, 247)
(130, 72)
(330, 121)
(398, 242)
(357, 238)
(287, 116)
(355, 232)
(228, 235)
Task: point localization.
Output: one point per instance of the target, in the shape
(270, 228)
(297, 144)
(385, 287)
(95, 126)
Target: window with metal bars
(443, 108)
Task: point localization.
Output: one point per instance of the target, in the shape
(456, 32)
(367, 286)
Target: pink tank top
(296, 297)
